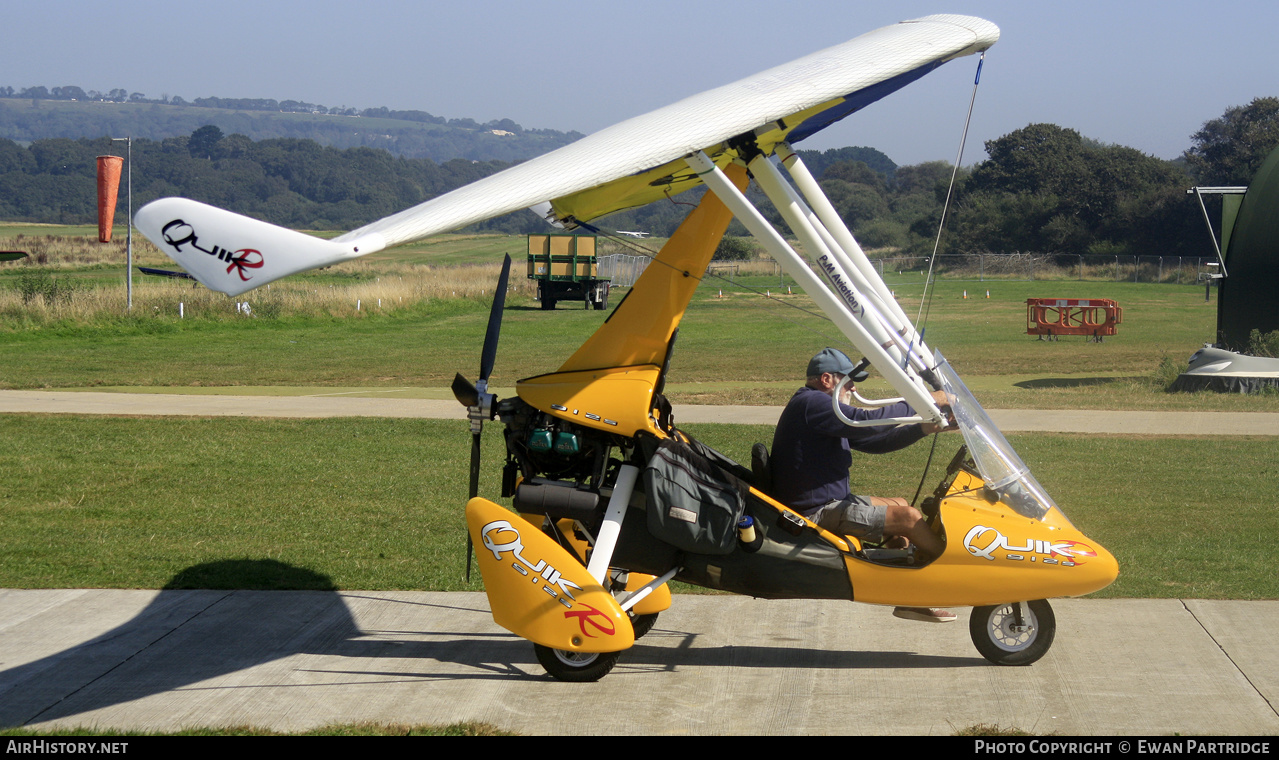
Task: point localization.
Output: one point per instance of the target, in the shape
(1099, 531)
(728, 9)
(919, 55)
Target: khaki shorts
(853, 516)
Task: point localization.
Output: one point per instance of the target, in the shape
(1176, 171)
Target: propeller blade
(469, 394)
(470, 550)
(464, 392)
(475, 491)
(475, 465)
(495, 321)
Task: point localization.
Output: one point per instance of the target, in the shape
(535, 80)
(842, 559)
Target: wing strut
(854, 259)
(857, 318)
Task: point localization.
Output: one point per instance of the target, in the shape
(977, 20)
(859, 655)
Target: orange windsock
(108, 186)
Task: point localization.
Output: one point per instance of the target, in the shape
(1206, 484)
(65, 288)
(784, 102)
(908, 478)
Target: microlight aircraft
(603, 517)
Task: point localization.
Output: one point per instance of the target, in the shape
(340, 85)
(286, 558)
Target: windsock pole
(128, 272)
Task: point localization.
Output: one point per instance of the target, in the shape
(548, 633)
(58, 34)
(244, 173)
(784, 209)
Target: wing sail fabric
(640, 160)
(641, 156)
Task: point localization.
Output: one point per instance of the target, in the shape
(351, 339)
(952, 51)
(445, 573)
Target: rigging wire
(926, 299)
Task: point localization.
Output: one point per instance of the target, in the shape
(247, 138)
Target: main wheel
(643, 623)
(1001, 639)
(576, 667)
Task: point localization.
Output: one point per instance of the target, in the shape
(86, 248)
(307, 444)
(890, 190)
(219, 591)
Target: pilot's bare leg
(905, 520)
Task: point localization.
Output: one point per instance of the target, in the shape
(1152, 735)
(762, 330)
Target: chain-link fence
(624, 270)
(1185, 270)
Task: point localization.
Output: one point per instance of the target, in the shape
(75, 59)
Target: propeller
(476, 398)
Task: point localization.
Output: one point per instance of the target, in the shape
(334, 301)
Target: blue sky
(1137, 73)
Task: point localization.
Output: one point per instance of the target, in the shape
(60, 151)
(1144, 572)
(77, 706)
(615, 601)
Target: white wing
(628, 164)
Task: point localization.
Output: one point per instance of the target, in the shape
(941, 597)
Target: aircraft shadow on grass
(228, 631)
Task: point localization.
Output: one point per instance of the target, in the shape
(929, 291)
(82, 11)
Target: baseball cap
(830, 360)
(837, 362)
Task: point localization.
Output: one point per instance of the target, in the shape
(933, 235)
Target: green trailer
(566, 268)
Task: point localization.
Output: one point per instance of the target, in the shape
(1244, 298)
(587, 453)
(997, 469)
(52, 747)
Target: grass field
(375, 504)
(415, 315)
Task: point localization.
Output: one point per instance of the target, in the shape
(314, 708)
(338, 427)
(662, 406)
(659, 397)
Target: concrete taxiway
(163, 660)
(1008, 420)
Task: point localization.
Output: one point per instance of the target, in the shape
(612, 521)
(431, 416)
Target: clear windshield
(997, 463)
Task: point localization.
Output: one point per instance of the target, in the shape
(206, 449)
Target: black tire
(576, 667)
(996, 636)
(643, 623)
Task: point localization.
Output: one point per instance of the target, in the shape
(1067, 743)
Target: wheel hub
(1006, 634)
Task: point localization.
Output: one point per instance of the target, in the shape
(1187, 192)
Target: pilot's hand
(943, 403)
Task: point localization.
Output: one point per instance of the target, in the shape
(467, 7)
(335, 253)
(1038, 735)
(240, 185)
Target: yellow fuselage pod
(993, 555)
(539, 591)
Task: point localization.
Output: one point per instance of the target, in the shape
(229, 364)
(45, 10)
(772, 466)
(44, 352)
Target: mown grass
(739, 348)
(377, 504)
(133, 503)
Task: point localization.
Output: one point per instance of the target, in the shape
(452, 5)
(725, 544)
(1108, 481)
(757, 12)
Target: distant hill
(292, 163)
(26, 120)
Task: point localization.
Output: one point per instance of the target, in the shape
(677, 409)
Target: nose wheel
(575, 667)
(1013, 634)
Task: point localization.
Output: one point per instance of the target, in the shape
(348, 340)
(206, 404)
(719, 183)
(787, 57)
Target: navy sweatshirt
(810, 457)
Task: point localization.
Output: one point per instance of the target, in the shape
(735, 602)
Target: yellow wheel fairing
(537, 590)
(658, 600)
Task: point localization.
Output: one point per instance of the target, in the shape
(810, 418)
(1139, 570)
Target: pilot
(811, 457)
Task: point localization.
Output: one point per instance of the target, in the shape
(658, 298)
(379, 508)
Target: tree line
(1048, 189)
(288, 181)
(1043, 188)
